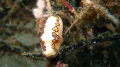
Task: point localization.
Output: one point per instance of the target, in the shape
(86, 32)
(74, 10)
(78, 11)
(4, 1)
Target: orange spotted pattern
(57, 24)
(42, 42)
(54, 34)
(55, 29)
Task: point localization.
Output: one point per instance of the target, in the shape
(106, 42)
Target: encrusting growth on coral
(89, 4)
(106, 13)
(49, 7)
(38, 12)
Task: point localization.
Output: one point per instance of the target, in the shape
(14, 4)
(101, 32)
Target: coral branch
(71, 26)
(92, 41)
(106, 13)
(68, 6)
(114, 37)
(49, 7)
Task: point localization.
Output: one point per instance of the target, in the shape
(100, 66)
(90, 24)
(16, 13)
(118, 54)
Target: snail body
(51, 37)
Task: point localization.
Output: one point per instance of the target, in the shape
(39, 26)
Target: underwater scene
(59, 33)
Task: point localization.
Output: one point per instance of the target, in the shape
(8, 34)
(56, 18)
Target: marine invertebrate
(51, 37)
(39, 13)
(51, 34)
(72, 37)
(88, 11)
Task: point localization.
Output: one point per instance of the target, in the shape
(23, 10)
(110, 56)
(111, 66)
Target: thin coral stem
(71, 26)
(68, 6)
(49, 7)
(48, 63)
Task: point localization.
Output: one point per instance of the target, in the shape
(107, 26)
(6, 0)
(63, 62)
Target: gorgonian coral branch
(67, 5)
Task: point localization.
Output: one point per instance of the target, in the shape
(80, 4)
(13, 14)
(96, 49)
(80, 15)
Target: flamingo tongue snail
(51, 37)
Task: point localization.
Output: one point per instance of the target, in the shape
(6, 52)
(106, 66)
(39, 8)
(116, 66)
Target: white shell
(51, 38)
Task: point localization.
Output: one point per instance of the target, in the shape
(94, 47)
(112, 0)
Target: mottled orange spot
(57, 19)
(55, 50)
(40, 39)
(42, 43)
(44, 26)
(44, 49)
(54, 40)
(55, 29)
(58, 37)
(54, 34)
(53, 45)
(57, 24)
(42, 31)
